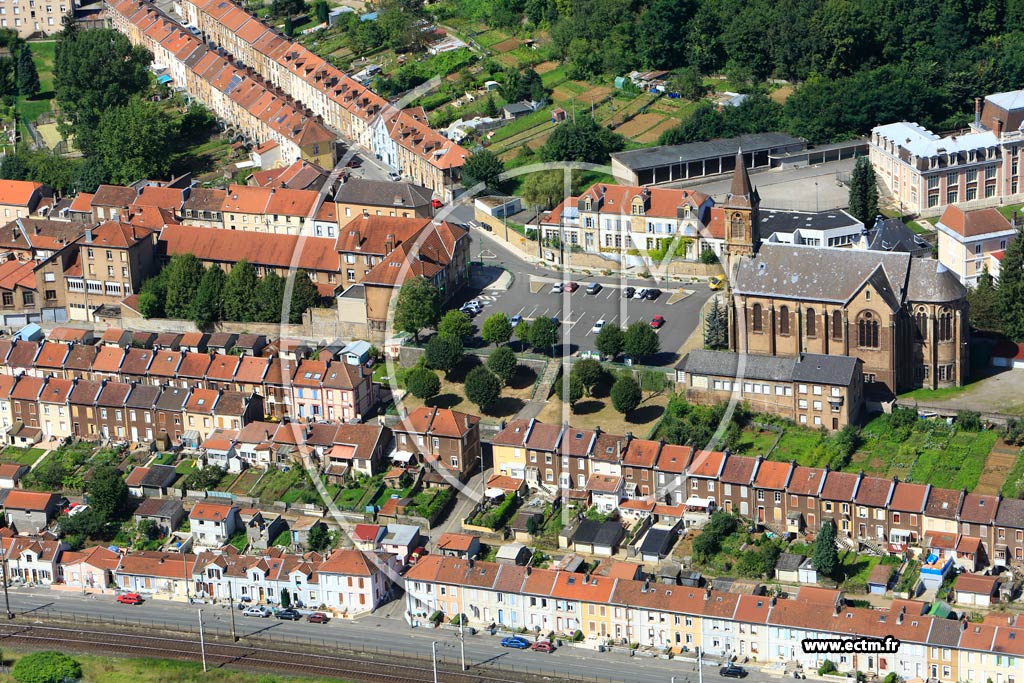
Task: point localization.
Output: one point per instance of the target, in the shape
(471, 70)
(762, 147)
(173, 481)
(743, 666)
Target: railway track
(241, 656)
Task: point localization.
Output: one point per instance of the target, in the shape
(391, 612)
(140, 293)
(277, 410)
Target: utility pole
(700, 665)
(202, 640)
(231, 606)
(7, 598)
(184, 564)
(433, 652)
(462, 639)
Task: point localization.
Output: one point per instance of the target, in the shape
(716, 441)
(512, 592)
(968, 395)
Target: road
(389, 636)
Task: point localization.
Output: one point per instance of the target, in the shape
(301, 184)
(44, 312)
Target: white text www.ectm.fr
(887, 645)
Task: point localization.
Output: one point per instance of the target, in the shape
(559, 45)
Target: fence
(333, 642)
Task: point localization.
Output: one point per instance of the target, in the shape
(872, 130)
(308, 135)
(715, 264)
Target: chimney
(389, 243)
(999, 128)
(977, 111)
(707, 594)
(467, 421)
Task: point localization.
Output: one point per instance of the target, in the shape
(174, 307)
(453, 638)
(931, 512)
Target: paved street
(371, 633)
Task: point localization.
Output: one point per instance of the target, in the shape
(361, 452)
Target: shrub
(969, 420)
(46, 667)
(827, 667)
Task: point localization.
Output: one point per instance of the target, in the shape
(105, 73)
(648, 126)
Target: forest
(856, 63)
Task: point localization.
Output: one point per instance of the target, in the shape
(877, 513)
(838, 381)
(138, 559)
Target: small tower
(742, 236)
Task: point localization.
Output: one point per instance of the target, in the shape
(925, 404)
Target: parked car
(716, 282)
(288, 614)
(593, 288)
(354, 162)
(628, 292)
(471, 308)
(261, 611)
(732, 671)
(571, 287)
(77, 508)
(556, 288)
(554, 320)
(515, 642)
(317, 618)
(436, 203)
(417, 555)
(657, 321)
(652, 294)
(542, 646)
(129, 599)
(640, 293)
(598, 326)
(516, 319)
(394, 176)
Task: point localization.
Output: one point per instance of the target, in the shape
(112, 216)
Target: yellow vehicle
(716, 282)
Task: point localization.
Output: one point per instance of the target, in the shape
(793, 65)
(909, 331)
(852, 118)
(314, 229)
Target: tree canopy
(503, 364)
(482, 167)
(455, 324)
(640, 340)
(482, 387)
(497, 329)
(418, 306)
(626, 394)
(864, 192)
(581, 140)
(443, 353)
(46, 667)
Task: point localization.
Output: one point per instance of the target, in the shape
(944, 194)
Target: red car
(317, 618)
(571, 287)
(129, 599)
(657, 321)
(417, 555)
(542, 646)
(436, 203)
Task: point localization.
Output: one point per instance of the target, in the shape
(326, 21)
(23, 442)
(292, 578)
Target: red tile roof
(773, 475)
(315, 254)
(18, 192)
(211, 512)
(29, 500)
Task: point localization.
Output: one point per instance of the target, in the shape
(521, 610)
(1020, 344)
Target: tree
(825, 555)
(482, 387)
(204, 478)
(455, 325)
(503, 364)
(96, 70)
(418, 306)
(184, 273)
(286, 598)
(323, 11)
(590, 372)
(688, 83)
(269, 298)
(206, 308)
(640, 340)
(864, 192)
(153, 296)
(240, 293)
(983, 303)
(543, 335)
(497, 329)
(280, 8)
(13, 167)
(544, 189)
(318, 538)
(1010, 289)
(522, 332)
(28, 77)
(490, 106)
(581, 140)
(482, 167)
(625, 394)
(46, 667)
(108, 493)
(716, 326)
(289, 27)
(443, 353)
(304, 296)
(575, 387)
(523, 85)
(610, 341)
(423, 383)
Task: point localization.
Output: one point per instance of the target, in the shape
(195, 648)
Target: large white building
(926, 172)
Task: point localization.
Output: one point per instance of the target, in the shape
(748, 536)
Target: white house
(212, 524)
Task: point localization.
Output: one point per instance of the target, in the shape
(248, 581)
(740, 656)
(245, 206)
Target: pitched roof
(211, 512)
(362, 191)
(841, 486)
(874, 491)
(944, 503)
(908, 497)
(18, 192)
(36, 501)
(978, 508)
(261, 249)
(974, 223)
(773, 475)
(739, 469)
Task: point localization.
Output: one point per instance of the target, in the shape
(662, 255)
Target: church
(904, 317)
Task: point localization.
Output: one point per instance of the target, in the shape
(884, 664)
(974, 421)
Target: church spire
(741, 193)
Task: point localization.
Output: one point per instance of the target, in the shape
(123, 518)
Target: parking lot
(531, 297)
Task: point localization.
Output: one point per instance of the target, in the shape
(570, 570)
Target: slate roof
(592, 532)
(810, 367)
(382, 193)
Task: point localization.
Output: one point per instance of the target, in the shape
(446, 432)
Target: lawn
(185, 466)
(1010, 486)
(245, 481)
(452, 394)
(164, 459)
(386, 494)
(110, 669)
(933, 394)
(43, 54)
(348, 498)
(598, 412)
(22, 456)
(754, 441)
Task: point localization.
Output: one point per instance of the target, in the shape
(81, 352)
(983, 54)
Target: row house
(231, 90)
(613, 218)
(447, 440)
(347, 582)
(769, 631)
(345, 105)
(156, 573)
(32, 559)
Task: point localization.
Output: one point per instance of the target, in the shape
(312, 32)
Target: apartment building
(980, 166)
(447, 440)
(109, 263)
(24, 198)
(971, 242)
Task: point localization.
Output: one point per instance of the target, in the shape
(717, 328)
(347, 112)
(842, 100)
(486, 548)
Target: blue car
(515, 642)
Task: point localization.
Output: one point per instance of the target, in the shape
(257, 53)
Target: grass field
(22, 456)
(109, 669)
